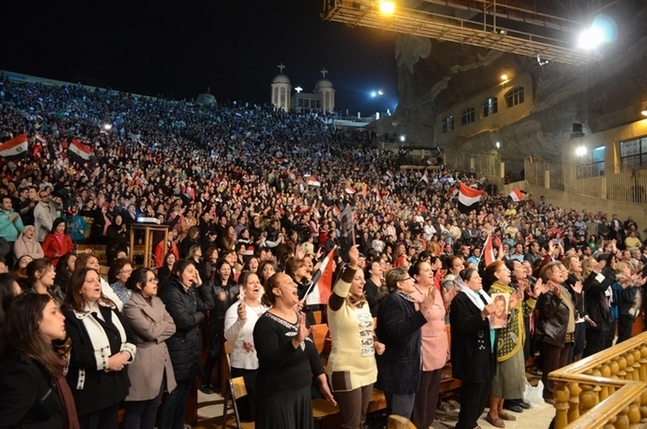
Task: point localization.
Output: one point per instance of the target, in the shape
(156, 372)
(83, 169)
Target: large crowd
(254, 200)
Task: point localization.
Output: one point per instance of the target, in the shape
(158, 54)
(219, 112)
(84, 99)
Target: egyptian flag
(78, 151)
(488, 250)
(312, 181)
(517, 195)
(323, 279)
(468, 198)
(14, 148)
(350, 190)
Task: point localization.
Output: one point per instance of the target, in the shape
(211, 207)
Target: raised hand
(303, 332)
(353, 255)
(577, 287)
(489, 309)
(242, 311)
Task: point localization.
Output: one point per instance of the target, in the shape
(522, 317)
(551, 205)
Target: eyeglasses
(153, 280)
(406, 278)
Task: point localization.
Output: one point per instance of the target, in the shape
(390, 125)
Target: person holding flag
(352, 369)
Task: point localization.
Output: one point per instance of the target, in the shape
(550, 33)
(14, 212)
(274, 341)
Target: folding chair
(235, 389)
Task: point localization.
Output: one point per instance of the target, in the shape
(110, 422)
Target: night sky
(180, 48)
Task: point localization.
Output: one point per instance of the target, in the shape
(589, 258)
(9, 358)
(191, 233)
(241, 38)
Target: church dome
(281, 78)
(323, 83)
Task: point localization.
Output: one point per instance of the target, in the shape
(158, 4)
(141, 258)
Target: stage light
(580, 151)
(602, 30)
(387, 7)
(107, 127)
(504, 77)
(498, 145)
(380, 92)
(403, 138)
(373, 94)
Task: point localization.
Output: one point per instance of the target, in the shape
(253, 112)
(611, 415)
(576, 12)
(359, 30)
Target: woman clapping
(287, 360)
(102, 346)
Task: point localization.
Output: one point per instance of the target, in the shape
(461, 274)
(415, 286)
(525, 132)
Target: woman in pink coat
(435, 347)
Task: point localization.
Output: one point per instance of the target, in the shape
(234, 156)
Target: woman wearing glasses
(151, 371)
(398, 328)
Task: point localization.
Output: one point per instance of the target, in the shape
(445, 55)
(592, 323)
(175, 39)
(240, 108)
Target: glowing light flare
(602, 30)
(403, 138)
(580, 151)
(387, 7)
(504, 77)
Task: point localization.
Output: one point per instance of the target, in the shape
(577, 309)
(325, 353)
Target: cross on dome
(281, 67)
(323, 72)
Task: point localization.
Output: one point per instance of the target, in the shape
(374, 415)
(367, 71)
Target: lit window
(490, 107)
(514, 96)
(633, 154)
(467, 116)
(448, 123)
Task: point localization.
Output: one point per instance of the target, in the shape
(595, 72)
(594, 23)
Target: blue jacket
(9, 230)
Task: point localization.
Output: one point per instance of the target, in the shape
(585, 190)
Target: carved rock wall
(434, 75)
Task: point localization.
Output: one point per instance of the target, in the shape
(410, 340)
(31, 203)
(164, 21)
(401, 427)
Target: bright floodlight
(580, 151)
(602, 30)
(498, 145)
(504, 77)
(107, 127)
(380, 92)
(402, 138)
(387, 7)
(373, 94)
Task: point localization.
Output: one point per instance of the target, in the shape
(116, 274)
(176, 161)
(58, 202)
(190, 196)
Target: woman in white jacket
(240, 319)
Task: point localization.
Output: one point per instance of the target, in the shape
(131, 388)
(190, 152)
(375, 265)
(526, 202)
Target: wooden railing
(606, 390)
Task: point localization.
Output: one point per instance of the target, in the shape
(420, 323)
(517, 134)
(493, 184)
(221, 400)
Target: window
(467, 116)
(633, 154)
(490, 107)
(592, 166)
(448, 123)
(514, 96)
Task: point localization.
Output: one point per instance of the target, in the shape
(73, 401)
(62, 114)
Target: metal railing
(587, 179)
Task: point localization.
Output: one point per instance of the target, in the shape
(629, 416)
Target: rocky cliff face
(433, 76)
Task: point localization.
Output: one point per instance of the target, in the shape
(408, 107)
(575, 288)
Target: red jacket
(160, 253)
(55, 246)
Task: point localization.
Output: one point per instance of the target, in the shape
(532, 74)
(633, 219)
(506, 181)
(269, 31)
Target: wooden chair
(321, 410)
(399, 422)
(236, 389)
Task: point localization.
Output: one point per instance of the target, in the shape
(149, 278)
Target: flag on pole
(389, 173)
(517, 194)
(323, 286)
(40, 138)
(425, 178)
(79, 150)
(488, 250)
(468, 198)
(350, 190)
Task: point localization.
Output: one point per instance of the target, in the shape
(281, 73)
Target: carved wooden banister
(606, 390)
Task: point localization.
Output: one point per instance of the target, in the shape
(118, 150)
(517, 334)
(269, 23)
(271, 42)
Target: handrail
(603, 390)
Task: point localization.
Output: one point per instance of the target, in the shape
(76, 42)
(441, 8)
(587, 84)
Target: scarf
(67, 400)
(477, 298)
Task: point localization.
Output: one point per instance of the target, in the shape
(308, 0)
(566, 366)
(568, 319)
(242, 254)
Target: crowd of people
(254, 200)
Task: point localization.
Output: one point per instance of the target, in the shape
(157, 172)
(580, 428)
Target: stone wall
(434, 76)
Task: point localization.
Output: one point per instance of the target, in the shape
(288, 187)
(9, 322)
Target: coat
(473, 360)
(52, 247)
(398, 328)
(152, 326)
(95, 389)
(29, 396)
(186, 308)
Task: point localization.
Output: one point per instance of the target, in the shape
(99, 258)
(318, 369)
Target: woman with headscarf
(398, 328)
(26, 244)
(472, 346)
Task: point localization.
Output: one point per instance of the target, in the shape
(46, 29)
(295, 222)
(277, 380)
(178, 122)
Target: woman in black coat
(472, 346)
(398, 328)
(223, 291)
(34, 391)
(102, 347)
(184, 304)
